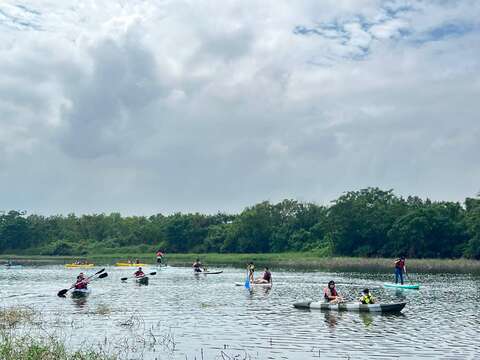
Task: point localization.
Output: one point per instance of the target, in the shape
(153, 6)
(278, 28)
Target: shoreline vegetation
(291, 260)
(368, 223)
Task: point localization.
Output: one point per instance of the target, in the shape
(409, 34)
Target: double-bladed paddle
(63, 292)
(126, 278)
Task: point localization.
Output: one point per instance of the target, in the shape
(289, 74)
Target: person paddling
(139, 273)
(400, 269)
(367, 298)
(197, 266)
(266, 277)
(82, 282)
(330, 293)
(251, 270)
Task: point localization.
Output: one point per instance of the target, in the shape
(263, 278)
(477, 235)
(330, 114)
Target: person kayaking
(139, 273)
(400, 269)
(197, 266)
(367, 298)
(251, 271)
(266, 277)
(82, 282)
(330, 293)
(137, 261)
(159, 255)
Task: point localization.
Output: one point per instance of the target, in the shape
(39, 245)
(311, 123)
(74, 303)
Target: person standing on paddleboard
(197, 266)
(331, 295)
(251, 270)
(400, 269)
(160, 255)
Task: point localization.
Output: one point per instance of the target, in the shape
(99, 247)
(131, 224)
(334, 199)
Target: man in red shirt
(400, 269)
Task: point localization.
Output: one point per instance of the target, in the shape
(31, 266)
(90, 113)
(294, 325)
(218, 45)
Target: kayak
(129, 265)
(320, 305)
(80, 293)
(207, 272)
(254, 284)
(13, 266)
(142, 280)
(400, 286)
(79, 266)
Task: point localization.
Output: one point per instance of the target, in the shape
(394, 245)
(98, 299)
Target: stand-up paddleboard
(378, 308)
(400, 286)
(255, 284)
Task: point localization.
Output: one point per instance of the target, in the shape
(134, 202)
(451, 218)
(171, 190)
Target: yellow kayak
(129, 265)
(79, 266)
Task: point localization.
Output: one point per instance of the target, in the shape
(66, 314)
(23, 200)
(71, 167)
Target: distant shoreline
(294, 261)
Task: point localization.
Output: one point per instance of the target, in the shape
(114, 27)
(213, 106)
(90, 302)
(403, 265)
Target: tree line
(370, 222)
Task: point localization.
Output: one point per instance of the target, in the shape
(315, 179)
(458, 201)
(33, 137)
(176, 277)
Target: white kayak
(254, 284)
(357, 307)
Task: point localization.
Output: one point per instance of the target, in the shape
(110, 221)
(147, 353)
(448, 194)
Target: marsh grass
(13, 316)
(289, 260)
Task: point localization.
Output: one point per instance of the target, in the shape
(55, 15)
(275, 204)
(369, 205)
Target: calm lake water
(182, 316)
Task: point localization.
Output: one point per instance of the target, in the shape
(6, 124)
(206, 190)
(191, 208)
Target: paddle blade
(153, 273)
(124, 279)
(99, 271)
(62, 293)
(104, 275)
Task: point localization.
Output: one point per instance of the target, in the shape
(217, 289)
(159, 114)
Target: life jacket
(367, 299)
(139, 273)
(80, 284)
(267, 276)
(329, 292)
(400, 264)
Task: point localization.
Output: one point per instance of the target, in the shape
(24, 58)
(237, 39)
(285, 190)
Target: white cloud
(145, 106)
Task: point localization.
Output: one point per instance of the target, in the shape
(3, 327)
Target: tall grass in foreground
(27, 348)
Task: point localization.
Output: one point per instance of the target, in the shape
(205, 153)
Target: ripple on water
(209, 314)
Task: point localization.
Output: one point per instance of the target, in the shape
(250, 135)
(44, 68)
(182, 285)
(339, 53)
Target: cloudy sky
(143, 106)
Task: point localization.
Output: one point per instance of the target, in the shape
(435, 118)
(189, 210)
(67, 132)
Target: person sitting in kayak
(139, 273)
(367, 298)
(197, 266)
(330, 293)
(137, 261)
(400, 269)
(251, 270)
(81, 283)
(266, 277)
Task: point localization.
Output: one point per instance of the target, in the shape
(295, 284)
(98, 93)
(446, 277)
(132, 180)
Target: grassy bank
(310, 261)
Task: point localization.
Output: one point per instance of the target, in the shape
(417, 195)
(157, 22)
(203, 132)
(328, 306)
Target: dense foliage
(369, 222)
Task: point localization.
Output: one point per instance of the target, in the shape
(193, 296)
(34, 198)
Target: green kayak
(80, 293)
(400, 286)
(142, 280)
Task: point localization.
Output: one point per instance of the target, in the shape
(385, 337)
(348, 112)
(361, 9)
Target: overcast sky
(161, 106)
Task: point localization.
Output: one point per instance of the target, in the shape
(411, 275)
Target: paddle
(126, 278)
(62, 293)
(247, 281)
